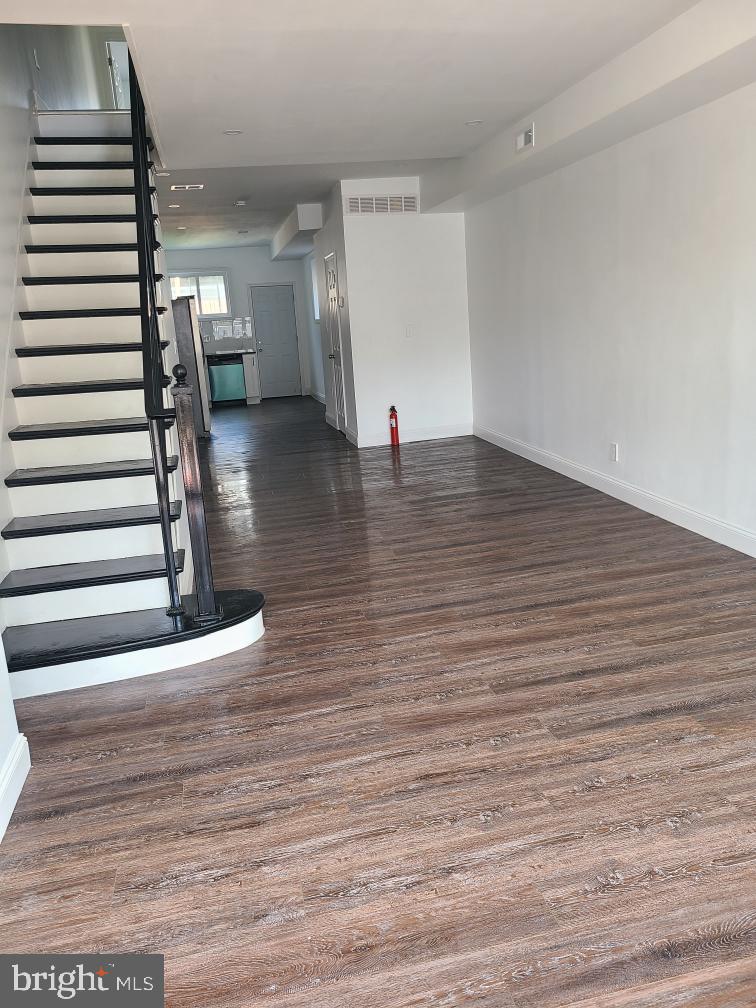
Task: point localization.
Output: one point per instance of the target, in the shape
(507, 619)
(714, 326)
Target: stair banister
(152, 357)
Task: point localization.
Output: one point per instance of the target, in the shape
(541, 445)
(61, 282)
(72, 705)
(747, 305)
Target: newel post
(207, 608)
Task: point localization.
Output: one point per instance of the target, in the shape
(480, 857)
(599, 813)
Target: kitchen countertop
(227, 353)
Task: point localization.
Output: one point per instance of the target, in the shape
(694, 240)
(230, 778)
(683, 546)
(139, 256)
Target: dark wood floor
(495, 749)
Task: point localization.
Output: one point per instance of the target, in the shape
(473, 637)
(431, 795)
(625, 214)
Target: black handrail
(152, 355)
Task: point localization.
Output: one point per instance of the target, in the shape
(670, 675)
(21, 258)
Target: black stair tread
(56, 643)
(60, 313)
(85, 521)
(117, 218)
(82, 165)
(73, 349)
(84, 190)
(101, 278)
(33, 249)
(84, 385)
(79, 428)
(90, 573)
(85, 471)
(82, 141)
(72, 388)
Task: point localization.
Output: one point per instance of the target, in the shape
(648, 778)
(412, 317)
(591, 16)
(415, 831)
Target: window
(210, 291)
(315, 299)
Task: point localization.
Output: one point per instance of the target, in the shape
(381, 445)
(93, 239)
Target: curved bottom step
(68, 654)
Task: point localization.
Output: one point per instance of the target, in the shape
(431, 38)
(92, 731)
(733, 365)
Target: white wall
(70, 71)
(314, 336)
(408, 319)
(249, 265)
(15, 130)
(614, 300)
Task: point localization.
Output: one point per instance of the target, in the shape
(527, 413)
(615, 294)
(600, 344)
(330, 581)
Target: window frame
(195, 274)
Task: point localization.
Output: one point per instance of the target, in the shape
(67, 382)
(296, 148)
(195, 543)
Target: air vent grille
(380, 204)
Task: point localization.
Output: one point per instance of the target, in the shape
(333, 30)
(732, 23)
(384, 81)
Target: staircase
(100, 584)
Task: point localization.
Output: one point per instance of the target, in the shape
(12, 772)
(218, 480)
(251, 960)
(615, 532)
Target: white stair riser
(77, 367)
(78, 547)
(83, 495)
(108, 232)
(79, 263)
(82, 152)
(80, 450)
(78, 603)
(115, 329)
(82, 406)
(52, 178)
(99, 204)
(87, 123)
(92, 295)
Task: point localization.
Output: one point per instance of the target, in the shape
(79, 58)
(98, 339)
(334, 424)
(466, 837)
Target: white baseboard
(734, 536)
(12, 776)
(113, 668)
(351, 436)
(331, 420)
(320, 398)
(377, 438)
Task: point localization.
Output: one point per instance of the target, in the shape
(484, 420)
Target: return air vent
(380, 204)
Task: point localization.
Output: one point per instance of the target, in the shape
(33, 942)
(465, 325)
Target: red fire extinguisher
(394, 427)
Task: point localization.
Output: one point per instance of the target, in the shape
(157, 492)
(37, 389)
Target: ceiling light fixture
(162, 174)
(174, 206)
(232, 132)
(474, 122)
(181, 228)
(188, 188)
(243, 232)
(240, 202)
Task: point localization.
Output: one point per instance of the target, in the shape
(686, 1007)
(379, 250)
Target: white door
(333, 334)
(275, 325)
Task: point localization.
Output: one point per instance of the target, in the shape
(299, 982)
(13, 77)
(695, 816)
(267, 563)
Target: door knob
(331, 356)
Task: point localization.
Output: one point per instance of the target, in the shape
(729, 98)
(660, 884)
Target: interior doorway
(333, 336)
(118, 68)
(275, 333)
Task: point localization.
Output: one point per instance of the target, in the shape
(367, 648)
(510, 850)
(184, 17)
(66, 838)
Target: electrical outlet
(613, 451)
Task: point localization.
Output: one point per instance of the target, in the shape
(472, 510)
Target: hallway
(495, 749)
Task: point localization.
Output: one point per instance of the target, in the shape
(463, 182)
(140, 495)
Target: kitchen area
(236, 317)
(230, 361)
(221, 361)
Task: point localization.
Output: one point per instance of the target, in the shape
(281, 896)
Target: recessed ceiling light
(181, 228)
(188, 188)
(240, 202)
(174, 206)
(232, 132)
(162, 174)
(474, 122)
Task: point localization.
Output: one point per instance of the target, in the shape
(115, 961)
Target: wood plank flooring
(496, 749)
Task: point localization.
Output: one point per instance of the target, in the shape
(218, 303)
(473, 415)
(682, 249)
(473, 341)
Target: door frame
(115, 85)
(294, 291)
(341, 419)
